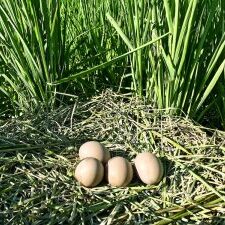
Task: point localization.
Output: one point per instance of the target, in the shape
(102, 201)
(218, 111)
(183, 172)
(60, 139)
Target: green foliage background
(50, 51)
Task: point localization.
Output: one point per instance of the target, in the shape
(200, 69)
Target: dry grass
(37, 158)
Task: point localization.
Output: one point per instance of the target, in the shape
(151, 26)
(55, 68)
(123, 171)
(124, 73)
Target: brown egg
(149, 168)
(119, 172)
(94, 149)
(89, 172)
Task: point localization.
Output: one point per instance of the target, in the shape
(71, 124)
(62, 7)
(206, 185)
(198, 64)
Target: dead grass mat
(38, 154)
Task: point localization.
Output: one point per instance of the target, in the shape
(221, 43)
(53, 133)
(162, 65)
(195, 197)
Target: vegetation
(165, 58)
(39, 188)
(82, 46)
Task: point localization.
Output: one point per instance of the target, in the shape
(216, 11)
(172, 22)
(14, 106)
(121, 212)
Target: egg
(149, 168)
(89, 172)
(94, 149)
(119, 172)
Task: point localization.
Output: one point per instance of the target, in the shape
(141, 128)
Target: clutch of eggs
(96, 163)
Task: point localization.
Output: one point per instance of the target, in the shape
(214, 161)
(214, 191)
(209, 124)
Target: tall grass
(93, 44)
(33, 49)
(181, 70)
(45, 42)
(119, 44)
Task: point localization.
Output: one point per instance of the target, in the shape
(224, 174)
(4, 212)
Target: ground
(38, 156)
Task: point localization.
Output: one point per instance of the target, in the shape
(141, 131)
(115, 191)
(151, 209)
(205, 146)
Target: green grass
(181, 71)
(38, 156)
(87, 46)
(33, 49)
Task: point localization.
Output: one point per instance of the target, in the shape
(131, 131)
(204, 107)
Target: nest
(38, 154)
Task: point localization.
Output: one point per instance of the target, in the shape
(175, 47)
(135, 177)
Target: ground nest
(38, 155)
